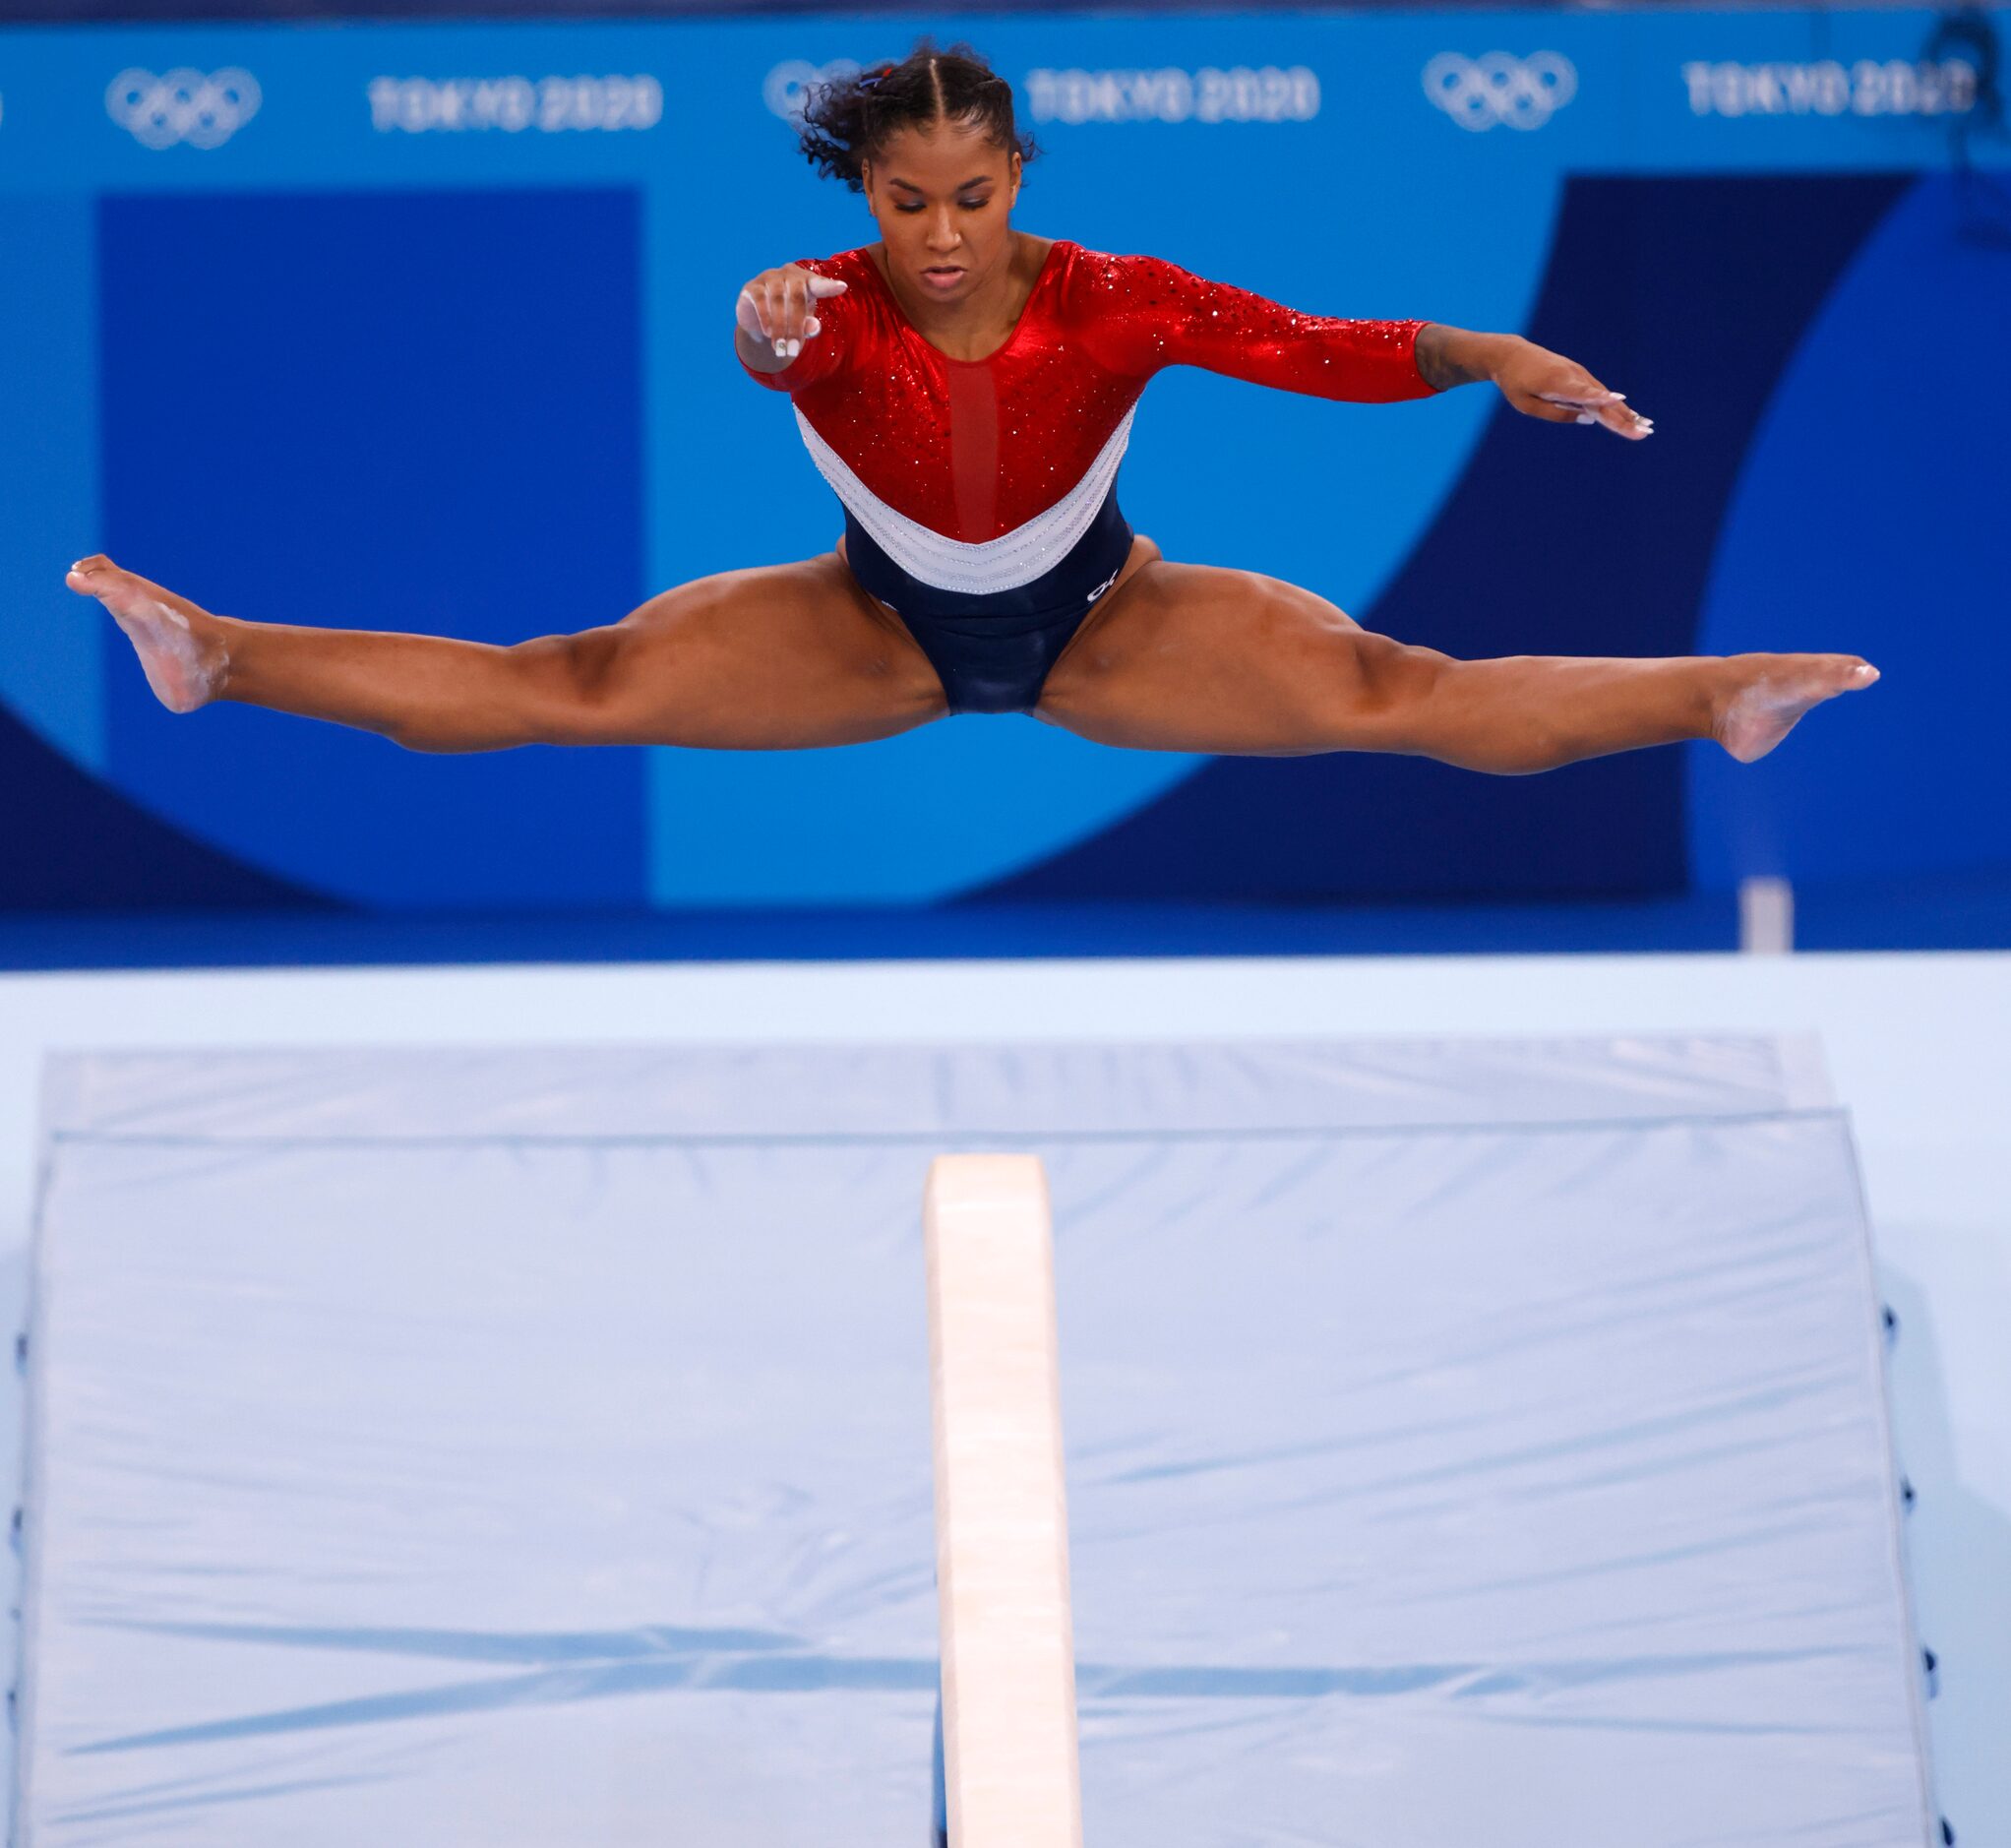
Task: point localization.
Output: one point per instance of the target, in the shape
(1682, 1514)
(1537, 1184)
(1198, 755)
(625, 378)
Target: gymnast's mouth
(942, 274)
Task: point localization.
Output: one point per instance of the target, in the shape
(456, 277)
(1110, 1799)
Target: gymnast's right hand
(773, 314)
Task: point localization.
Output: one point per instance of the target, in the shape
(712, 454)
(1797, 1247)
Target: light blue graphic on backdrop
(1382, 202)
(914, 818)
(1851, 531)
(1219, 473)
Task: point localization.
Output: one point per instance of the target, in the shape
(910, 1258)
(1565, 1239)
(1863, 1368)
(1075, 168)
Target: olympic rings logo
(184, 105)
(787, 87)
(1522, 92)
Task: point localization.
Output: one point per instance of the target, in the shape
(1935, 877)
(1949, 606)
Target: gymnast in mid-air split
(968, 389)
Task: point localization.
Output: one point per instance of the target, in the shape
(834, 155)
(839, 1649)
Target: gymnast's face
(943, 195)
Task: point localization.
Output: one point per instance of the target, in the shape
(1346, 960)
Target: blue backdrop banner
(425, 326)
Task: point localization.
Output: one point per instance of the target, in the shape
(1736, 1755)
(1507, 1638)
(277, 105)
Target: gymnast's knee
(568, 685)
(1387, 682)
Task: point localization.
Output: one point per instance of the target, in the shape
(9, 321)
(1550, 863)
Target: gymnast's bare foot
(1768, 693)
(180, 647)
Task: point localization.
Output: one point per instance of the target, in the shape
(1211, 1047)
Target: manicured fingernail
(795, 347)
(811, 327)
(1585, 416)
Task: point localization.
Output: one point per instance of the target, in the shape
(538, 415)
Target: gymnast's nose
(943, 231)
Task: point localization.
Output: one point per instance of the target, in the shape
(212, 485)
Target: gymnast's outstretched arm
(1536, 380)
(1161, 315)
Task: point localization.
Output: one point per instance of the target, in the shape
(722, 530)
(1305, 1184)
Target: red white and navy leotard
(980, 495)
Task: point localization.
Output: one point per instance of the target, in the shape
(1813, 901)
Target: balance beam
(1002, 1525)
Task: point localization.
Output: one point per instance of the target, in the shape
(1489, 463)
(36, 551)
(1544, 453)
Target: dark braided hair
(850, 120)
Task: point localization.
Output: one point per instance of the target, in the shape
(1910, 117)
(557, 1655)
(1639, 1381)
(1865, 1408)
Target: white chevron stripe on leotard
(974, 569)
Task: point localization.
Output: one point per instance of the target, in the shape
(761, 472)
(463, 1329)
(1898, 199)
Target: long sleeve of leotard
(1147, 314)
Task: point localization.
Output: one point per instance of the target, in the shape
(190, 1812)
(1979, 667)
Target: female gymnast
(967, 389)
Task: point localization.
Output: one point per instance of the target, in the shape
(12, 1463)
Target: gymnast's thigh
(1197, 657)
(777, 657)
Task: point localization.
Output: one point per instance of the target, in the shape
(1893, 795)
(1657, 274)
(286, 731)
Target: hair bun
(845, 122)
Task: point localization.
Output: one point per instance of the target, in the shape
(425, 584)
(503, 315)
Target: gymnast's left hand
(1542, 384)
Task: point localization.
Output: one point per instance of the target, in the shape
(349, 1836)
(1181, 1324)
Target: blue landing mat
(1467, 1441)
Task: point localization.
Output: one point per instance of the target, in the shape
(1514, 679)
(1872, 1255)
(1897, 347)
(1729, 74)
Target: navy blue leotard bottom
(992, 652)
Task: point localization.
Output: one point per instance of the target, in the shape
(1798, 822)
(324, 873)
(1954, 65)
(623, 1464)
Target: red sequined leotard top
(976, 475)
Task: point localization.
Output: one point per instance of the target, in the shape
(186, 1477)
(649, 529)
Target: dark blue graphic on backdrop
(1550, 545)
(69, 842)
(1884, 532)
(399, 411)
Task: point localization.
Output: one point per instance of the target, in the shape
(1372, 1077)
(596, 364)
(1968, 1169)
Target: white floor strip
(1001, 1525)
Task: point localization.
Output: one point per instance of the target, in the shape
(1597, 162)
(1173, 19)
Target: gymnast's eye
(975, 205)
